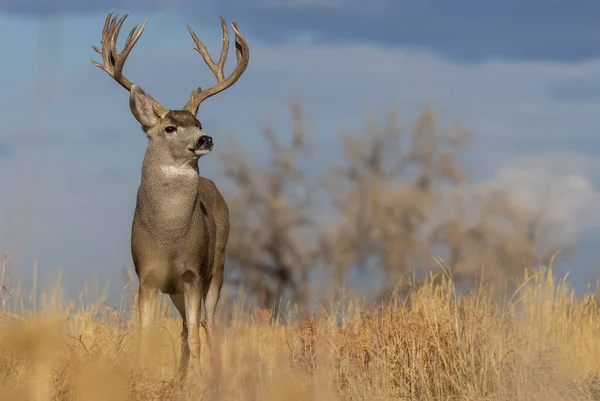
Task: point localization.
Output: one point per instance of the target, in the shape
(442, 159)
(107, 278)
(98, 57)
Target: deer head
(177, 133)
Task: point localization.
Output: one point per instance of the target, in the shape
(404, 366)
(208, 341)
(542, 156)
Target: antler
(113, 60)
(243, 56)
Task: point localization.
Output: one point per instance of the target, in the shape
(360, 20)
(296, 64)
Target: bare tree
(272, 212)
(491, 238)
(399, 198)
(383, 192)
(402, 198)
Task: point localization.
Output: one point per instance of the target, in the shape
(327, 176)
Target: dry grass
(543, 344)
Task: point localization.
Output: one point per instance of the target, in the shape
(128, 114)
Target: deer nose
(204, 142)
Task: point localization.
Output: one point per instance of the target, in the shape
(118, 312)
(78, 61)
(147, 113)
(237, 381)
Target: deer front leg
(179, 303)
(192, 294)
(212, 292)
(147, 307)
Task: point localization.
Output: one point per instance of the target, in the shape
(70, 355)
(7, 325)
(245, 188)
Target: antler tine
(216, 68)
(240, 42)
(224, 48)
(113, 60)
(242, 56)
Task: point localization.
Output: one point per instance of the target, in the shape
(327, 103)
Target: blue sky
(524, 76)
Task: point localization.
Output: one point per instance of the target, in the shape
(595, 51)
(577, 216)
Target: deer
(180, 224)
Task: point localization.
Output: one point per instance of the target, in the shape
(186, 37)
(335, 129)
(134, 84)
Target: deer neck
(168, 194)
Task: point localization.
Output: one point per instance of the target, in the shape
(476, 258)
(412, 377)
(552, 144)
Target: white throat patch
(173, 171)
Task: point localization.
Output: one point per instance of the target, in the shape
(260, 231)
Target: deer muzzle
(203, 145)
(205, 142)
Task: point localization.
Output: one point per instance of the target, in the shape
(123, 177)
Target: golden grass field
(541, 344)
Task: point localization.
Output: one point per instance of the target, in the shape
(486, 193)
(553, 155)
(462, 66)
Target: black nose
(204, 142)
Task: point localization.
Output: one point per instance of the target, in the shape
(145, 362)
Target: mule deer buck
(181, 221)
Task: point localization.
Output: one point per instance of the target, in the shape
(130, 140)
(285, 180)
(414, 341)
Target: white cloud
(559, 183)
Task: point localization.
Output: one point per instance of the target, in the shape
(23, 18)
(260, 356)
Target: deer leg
(178, 301)
(192, 294)
(211, 298)
(147, 307)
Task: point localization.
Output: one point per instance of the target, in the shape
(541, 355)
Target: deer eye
(170, 129)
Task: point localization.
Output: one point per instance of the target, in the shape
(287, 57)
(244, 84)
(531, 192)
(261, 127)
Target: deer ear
(142, 108)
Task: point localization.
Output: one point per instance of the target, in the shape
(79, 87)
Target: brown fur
(180, 226)
(181, 221)
(182, 118)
